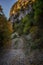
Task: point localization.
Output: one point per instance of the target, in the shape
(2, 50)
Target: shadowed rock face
(37, 57)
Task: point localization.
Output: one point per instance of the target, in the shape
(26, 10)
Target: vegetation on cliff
(32, 24)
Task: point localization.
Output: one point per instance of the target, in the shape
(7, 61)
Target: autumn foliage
(5, 30)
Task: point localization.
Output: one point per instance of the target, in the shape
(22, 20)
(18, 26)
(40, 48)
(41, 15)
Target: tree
(1, 10)
(38, 19)
(5, 32)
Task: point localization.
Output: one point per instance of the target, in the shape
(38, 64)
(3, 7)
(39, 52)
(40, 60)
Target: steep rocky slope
(20, 9)
(19, 5)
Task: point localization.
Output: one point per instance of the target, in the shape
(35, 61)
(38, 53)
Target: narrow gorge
(26, 46)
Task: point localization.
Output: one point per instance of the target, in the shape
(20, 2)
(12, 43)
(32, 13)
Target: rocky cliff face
(20, 9)
(21, 14)
(19, 5)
